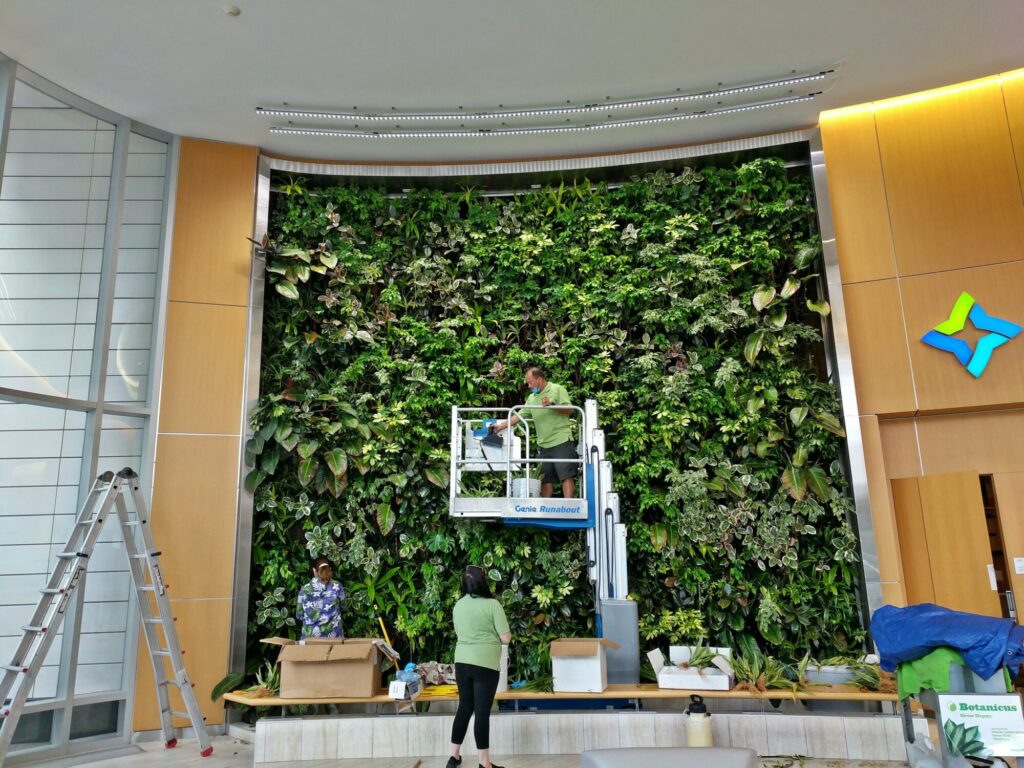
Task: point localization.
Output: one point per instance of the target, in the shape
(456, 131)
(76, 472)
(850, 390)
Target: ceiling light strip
(327, 132)
(310, 114)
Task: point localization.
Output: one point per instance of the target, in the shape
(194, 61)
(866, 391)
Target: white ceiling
(187, 67)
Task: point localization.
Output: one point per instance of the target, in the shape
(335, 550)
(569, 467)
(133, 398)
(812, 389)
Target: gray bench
(670, 757)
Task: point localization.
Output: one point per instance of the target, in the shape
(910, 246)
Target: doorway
(951, 542)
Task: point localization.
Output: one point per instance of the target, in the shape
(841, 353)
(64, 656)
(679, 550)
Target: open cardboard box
(714, 678)
(680, 654)
(322, 667)
(580, 664)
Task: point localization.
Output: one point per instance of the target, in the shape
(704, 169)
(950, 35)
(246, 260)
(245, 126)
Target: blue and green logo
(974, 360)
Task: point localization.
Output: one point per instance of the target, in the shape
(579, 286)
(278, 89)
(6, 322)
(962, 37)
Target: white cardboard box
(580, 664)
(402, 691)
(680, 654)
(689, 678)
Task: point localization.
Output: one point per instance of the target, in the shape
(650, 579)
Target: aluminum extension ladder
(19, 676)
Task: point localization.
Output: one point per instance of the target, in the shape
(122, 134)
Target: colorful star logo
(999, 332)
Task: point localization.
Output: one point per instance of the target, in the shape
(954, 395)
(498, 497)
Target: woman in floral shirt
(320, 603)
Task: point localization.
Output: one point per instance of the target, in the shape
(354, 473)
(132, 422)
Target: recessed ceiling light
(232, 10)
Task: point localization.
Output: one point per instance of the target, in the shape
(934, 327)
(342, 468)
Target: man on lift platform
(553, 432)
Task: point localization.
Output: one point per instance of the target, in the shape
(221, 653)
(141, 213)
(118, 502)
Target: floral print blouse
(319, 609)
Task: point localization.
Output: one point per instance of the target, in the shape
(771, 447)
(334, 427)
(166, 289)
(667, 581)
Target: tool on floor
(69, 576)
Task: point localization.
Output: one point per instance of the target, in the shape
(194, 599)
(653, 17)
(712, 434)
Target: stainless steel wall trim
(538, 166)
(847, 387)
(254, 345)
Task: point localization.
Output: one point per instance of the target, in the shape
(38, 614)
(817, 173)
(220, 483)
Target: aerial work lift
(476, 449)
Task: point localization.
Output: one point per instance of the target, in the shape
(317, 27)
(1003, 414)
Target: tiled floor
(231, 753)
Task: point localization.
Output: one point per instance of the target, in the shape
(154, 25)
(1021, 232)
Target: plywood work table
(614, 691)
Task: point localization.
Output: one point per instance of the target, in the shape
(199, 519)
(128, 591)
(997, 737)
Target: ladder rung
(69, 555)
(52, 591)
(15, 668)
(33, 629)
(136, 522)
(185, 715)
(143, 556)
(162, 652)
(152, 621)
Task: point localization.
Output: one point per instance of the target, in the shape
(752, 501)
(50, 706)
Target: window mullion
(97, 389)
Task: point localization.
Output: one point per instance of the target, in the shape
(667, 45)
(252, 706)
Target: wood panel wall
(195, 495)
(926, 192)
(927, 195)
(945, 544)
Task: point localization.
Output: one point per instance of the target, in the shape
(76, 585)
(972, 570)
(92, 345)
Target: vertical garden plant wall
(684, 303)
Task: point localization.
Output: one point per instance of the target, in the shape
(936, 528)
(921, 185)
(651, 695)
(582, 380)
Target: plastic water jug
(698, 724)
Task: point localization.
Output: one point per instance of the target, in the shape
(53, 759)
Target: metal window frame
(62, 705)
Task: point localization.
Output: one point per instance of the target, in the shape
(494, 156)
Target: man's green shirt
(549, 428)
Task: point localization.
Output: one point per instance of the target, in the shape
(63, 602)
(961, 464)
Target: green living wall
(684, 303)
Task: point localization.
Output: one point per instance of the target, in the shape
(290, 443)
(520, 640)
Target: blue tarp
(986, 643)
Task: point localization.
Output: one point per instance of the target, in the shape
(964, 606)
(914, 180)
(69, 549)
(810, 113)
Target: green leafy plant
(675, 627)
(701, 656)
(842, 660)
(755, 671)
(231, 682)
(685, 303)
(799, 672)
(963, 741)
(268, 680)
(541, 683)
(871, 677)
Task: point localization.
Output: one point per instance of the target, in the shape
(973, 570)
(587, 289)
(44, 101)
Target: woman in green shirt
(481, 629)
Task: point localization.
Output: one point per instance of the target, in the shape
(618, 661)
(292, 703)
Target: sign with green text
(982, 725)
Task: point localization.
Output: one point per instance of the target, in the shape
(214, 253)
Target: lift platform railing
(514, 462)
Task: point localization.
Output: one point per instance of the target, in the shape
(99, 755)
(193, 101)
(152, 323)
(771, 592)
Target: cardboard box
(402, 691)
(580, 664)
(322, 668)
(716, 678)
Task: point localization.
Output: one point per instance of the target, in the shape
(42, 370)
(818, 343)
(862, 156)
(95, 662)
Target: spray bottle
(698, 724)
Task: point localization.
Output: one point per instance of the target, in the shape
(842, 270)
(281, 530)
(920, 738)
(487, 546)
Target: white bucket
(522, 490)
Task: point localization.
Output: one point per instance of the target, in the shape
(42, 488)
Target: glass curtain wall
(83, 209)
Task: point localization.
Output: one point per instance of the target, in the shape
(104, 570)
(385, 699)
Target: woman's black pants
(477, 686)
